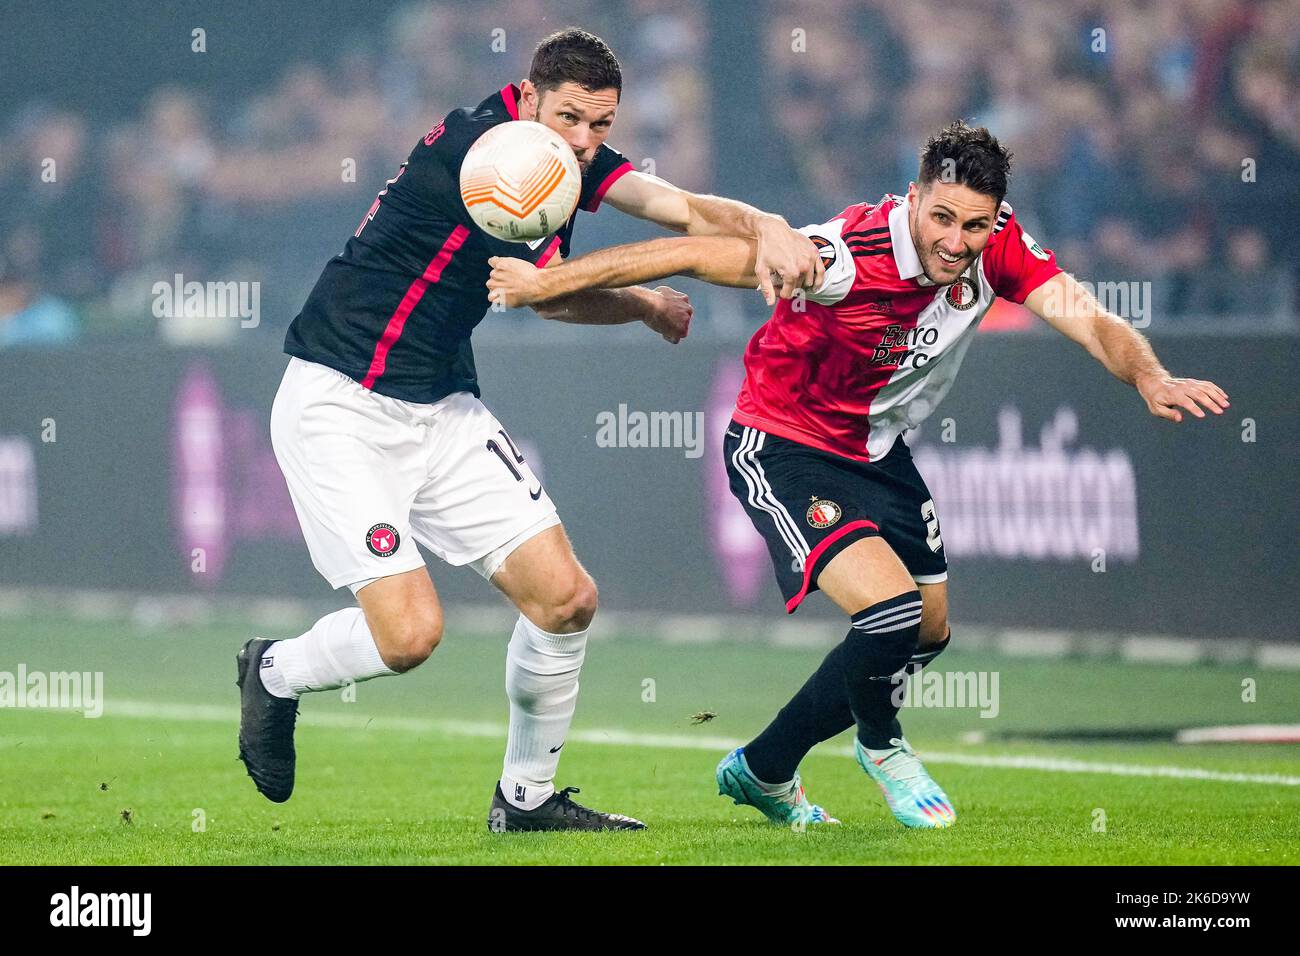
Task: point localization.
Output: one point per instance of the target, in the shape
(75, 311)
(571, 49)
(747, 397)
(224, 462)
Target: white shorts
(370, 475)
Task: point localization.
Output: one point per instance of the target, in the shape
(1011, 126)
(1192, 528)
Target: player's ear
(527, 100)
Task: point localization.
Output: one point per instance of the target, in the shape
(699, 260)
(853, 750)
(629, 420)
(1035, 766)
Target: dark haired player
(383, 441)
(815, 451)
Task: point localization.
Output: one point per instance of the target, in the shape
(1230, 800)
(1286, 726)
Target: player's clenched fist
(514, 282)
(672, 315)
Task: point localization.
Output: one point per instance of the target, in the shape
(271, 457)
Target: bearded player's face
(951, 224)
(581, 116)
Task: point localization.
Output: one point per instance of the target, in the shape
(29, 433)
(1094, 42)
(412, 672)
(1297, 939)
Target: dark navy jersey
(395, 310)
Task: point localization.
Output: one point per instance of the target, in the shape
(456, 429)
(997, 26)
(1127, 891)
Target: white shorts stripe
(760, 492)
(766, 493)
(738, 460)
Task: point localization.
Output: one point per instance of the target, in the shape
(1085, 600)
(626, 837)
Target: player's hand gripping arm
(780, 250)
(664, 310)
(717, 259)
(1073, 311)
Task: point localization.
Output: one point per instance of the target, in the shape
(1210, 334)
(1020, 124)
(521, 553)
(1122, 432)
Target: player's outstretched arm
(780, 251)
(1073, 311)
(720, 260)
(664, 310)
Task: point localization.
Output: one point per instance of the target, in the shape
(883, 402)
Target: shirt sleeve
(606, 169)
(841, 271)
(1014, 263)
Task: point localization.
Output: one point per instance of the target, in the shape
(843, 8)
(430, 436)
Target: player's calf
(934, 615)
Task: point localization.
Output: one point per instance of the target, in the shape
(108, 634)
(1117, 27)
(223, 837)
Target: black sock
(880, 645)
(922, 658)
(818, 712)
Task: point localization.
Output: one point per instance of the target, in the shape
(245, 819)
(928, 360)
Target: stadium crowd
(1155, 142)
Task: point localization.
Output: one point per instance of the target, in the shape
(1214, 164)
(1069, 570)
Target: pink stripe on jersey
(550, 251)
(610, 180)
(512, 105)
(432, 273)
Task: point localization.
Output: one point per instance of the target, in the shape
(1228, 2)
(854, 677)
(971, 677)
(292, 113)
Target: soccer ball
(520, 181)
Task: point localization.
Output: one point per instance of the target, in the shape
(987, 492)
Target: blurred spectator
(1142, 133)
(1249, 281)
(29, 316)
(1155, 141)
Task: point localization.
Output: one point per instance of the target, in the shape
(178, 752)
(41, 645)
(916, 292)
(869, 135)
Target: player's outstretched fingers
(1220, 395)
(1189, 403)
(1207, 398)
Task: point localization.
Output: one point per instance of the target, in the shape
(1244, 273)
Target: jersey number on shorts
(493, 447)
(931, 520)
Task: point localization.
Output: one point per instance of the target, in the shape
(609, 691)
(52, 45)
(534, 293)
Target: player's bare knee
(407, 645)
(572, 608)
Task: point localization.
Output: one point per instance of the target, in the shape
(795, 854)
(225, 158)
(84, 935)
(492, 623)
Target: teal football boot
(913, 797)
(791, 809)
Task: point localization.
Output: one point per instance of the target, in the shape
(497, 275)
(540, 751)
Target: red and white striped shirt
(870, 353)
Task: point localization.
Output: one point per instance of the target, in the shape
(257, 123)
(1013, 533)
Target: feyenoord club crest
(823, 513)
(962, 294)
(382, 540)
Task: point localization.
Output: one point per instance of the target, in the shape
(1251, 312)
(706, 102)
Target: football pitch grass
(404, 773)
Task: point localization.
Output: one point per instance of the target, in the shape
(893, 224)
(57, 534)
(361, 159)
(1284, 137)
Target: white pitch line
(627, 738)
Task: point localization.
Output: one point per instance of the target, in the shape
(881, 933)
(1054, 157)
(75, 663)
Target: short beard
(916, 244)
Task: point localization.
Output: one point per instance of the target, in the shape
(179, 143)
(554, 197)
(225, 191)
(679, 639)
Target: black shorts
(809, 505)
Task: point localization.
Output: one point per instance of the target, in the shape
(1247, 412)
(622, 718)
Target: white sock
(771, 789)
(338, 648)
(542, 684)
